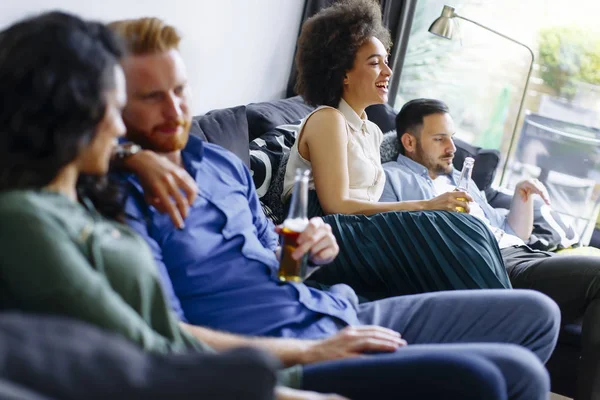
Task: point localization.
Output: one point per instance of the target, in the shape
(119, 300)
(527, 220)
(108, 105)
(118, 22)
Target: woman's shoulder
(325, 118)
(38, 208)
(23, 202)
(327, 113)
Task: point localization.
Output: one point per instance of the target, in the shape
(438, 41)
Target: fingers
(464, 206)
(325, 256)
(179, 200)
(161, 200)
(369, 329)
(533, 186)
(541, 190)
(326, 248)
(375, 345)
(307, 240)
(462, 195)
(316, 238)
(371, 338)
(186, 183)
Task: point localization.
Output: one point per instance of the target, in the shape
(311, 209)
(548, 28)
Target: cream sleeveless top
(365, 172)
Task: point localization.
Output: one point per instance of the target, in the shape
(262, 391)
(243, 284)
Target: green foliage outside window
(568, 55)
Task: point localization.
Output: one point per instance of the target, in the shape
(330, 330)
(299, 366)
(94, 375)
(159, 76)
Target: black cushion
(486, 162)
(383, 115)
(228, 128)
(263, 117)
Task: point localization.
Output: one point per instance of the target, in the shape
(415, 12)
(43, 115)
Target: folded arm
(167, 186)
(349, 342)
(520, 216)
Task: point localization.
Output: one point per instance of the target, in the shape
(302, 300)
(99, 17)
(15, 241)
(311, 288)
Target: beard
(159, 142)
(433, 164)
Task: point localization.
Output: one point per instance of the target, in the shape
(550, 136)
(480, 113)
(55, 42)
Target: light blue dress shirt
(408, 180)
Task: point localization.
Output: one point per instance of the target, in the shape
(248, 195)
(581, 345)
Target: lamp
(444, 26)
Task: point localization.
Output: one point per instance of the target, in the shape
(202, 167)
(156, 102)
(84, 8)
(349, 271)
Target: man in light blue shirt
(424, 172)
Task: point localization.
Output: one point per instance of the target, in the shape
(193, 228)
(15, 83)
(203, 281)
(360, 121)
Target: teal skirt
(399, 253)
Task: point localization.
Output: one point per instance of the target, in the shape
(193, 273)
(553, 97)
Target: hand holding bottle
(463, 183)
(451, 201)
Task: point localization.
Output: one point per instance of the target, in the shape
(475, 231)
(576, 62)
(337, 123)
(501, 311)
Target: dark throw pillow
(486, 162)
(266, 153)
(383, 115)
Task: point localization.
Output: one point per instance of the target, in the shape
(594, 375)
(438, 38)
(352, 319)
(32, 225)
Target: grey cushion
(228, 128)
(263, 117)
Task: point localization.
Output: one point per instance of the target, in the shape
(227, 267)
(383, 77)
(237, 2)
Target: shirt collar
(192, 153)
(355, 121)
(412, 165)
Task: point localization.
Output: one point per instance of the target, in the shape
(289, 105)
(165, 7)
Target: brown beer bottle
(293, 226)
(465, 178)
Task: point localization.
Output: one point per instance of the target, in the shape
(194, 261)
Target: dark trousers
(57, 358)
(574, 283)
(434, 375)
(482, 344)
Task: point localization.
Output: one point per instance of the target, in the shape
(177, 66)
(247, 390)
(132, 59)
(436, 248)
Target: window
(481, 76)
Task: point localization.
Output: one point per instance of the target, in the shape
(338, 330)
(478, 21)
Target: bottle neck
(465, 177)
(299, 200)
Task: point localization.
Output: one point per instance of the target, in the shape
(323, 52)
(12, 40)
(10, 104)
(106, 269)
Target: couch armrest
(498, 199)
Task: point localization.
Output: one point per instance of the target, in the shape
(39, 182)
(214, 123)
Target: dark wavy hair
(54, 71)
(410, 117)
(328, 44)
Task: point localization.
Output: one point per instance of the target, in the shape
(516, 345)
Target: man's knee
(538, 307)
(531, 374)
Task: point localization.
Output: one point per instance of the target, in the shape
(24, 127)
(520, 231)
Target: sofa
(261, 134)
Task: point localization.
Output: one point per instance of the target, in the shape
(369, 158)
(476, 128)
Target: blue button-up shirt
(408, 180)
(221, 270)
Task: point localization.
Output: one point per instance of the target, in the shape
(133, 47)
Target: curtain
(397, 17)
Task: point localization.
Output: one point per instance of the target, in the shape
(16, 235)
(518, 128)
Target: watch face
(125, 150)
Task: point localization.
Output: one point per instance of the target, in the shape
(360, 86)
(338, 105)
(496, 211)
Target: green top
(60, 258)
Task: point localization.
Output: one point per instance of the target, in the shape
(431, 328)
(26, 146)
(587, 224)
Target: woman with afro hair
(342, 63)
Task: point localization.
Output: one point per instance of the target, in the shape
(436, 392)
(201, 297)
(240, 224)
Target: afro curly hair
(328, 44)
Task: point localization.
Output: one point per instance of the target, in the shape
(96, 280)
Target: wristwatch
(126, 149)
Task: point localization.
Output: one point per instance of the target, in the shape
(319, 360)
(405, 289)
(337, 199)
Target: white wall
(236, 51)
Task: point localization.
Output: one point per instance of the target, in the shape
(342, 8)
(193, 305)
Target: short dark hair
(328, 44)
(54, 71)
(410, 117)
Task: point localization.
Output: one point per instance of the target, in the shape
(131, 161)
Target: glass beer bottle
(293, 226)
(465, 178)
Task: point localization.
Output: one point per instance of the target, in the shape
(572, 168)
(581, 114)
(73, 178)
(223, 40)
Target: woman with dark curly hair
(342, 63)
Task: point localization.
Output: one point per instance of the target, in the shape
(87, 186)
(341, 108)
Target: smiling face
(95, 159)
(157, 114)
(433, 147)
(367, 82)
